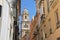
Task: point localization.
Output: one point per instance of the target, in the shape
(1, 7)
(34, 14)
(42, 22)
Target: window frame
(25, 17)
(0, 10)
(25, 26)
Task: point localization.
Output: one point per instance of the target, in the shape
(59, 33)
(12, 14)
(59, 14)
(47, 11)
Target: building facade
(35, 24)
(16, 21)
(25, 23)
(50, 21)
(34, 27)
(8, 12)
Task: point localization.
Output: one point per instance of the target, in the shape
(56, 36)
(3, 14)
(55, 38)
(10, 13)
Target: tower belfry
(25, 22)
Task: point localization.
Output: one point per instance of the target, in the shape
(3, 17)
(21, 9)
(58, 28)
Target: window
(58, 38)
(48, 8)
(26, 26)
(41, 30)
(49, 24)
(42, 38)
(45, 35)
(51, 1)
(57, 18)
(37, 28)
(25, 17)
(56, 13)
(50, 31)
(0, 10)
(15, 22)
(41, 7)
(44, 25)
(44, 9)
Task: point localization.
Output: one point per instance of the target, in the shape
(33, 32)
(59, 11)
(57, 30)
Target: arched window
(25, 17)
(26, 26)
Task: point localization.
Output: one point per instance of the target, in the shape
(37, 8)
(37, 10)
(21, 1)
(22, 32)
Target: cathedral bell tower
(25, 22)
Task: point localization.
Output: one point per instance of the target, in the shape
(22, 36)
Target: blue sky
(30, 5)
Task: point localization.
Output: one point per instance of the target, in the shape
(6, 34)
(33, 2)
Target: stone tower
(25, 22)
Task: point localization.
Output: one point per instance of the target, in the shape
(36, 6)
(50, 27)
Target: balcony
(43, 18)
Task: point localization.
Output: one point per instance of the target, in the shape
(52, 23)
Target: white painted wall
(0, 17)
(6, 21)
(0, 2)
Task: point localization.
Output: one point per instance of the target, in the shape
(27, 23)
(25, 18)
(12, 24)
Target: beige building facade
(50, 20)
